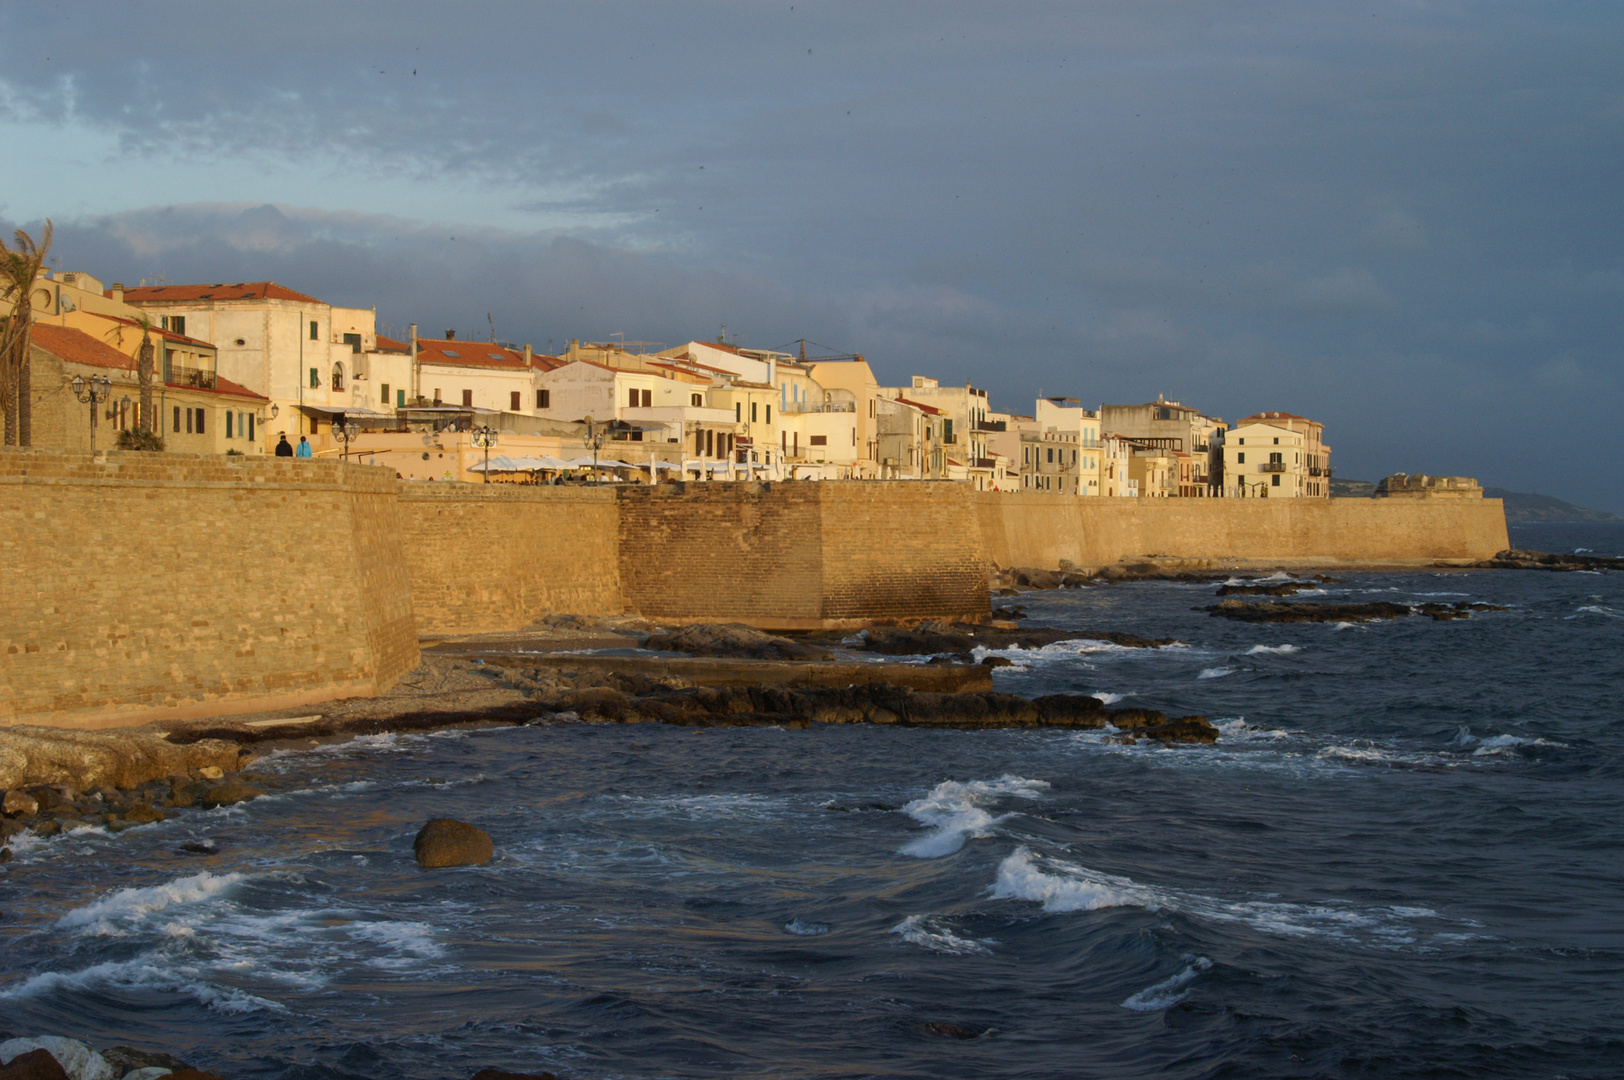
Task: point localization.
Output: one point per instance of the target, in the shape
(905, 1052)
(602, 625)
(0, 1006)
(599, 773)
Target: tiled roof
(242, 290)
(389, 344)
(922, 408)
(225, 386)
(1265, 417)
(78, 347)
(468, 354)
(158, 331)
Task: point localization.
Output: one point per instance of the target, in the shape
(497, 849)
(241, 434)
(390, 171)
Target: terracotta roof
(389, 344)
(158, 331)
(223, 385)
(1264, 417)
(922, 408)
(242, 290)
(544, 362)
(468, 354)
(78, 347)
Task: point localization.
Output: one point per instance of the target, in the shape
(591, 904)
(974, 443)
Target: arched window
(338, 376)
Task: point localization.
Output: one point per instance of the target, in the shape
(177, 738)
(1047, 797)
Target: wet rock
(734, 640)
(76, 1060)
(48, 827)
(229, 793)
(1283, 588)
(126, 1059)
(1030, 577)
(33, 1064)
(1270, 611)
(31, 755)
(203, 847)
(1516, 559)
(143, 815)
(5, 854)
(953, 1031)
(448, 842)
(193, 1074)
(19, 804)
(499, 1074)
(148, 1072)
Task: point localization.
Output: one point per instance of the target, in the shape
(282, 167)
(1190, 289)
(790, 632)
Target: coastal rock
(229, 793)
(19, 804)
(1270, 611)
(150, 1072)
(129, 1061)
(34, 1064)
(31, 755)
(448, 842)
(193, 1074)
(732, 639)
(1516, 559)
(1283, 588)
(143, 815)
(499, 1074)
(77, 1061)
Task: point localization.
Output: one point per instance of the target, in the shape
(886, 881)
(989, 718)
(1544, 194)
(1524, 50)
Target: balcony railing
(1272, 466)
(175, 375)
(983, 462)
(992, 425)
(819, 406)
(1315, 470)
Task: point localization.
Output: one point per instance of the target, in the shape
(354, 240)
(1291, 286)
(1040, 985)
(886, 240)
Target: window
(1277, 442)
(1240, 458)
(400, 399)
(696, 400)
(513, 401)
(1275, 479)
(544, 399)
(1276, 459)
(250, 421)
(947, 431)
(189, 421)
(699, 444)
(1049, 455)
(315, 378)
(737, 407)
(200, 421)
(338, 376)
(228, 423)
(1242, 442)
(710, 447)
(384, 396)
(468, 399)
(177, 420)
(648, 398)
(631, 398)
(769, 414)
(175, 323)
(313, 336)
(353, 341)
(752, 412)
(817, 440)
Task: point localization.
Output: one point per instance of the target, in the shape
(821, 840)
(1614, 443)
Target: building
(1422, 486)
(1116, 468)
(1066, 415)
(1264, 461)
(962, 411)
(1316, 455)
(909, 435)
(1168, 425)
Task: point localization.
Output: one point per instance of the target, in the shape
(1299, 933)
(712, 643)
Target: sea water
(1404, 858)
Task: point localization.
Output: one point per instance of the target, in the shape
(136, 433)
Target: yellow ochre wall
(1042, 530)
(151, 586)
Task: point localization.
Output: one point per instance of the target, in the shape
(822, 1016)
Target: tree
(18, 270)
(145, 367)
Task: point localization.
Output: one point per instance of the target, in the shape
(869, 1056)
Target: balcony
(1272, 466)
(983, 462)
(991, 425)
(201, 378)
(1315, 470)
(819, 407)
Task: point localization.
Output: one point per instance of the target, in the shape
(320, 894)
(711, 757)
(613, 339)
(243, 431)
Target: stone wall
(152, 586)
(490, 557)
(1041, 530)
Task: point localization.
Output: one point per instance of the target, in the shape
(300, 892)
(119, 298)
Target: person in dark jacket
(283, 449)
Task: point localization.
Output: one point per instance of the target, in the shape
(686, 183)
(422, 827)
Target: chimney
(118, 292)
(417, 373)
(451, 335)
(527, 355)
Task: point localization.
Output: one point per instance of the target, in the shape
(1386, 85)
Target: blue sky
(1400, 218)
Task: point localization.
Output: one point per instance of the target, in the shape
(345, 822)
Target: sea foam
(1170, 991)
(130, 904)
(1073, 888)
(1279, 650)
(928, 933)
(955, 811)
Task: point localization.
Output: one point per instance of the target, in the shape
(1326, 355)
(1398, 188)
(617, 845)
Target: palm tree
(144, 370)
(18, 271)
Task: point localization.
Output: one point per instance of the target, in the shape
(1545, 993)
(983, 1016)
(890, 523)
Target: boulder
(229, 793)
(143, 815)
(76, 1060)
(149, 1072)
(193, 1074)
(447, 842)
(734, 640)
(19, 804)
(118, 758)
(131, 1062)
(35, 1064)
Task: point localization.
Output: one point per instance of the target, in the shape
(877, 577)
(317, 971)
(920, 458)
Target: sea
(1403, 858)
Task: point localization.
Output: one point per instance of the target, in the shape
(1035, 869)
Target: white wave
(928, 933)
(954, 811)
(1215, 672)
(135, 903)
(1108, 698)
(1599, 609)
(1170, 991)
(1582, 551)
(805, 928)
(142, 976)
(1343, 626)
(1376, 755)
(404, 938)
(1073, 888)
(1068, 650)
(1237, 730)
(1486, 746)
(1278, 650)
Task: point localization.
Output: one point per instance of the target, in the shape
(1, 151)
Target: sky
(1401, 219)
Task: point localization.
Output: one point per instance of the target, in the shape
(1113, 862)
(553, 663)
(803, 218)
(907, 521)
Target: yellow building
(1264, 461)
(1315, 478)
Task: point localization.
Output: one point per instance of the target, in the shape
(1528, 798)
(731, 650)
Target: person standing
(283, 448)
(303, 449)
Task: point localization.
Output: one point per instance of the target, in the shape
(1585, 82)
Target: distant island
(1521, 506)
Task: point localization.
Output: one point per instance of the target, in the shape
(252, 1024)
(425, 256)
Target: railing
(992, 425)
(950, 440)
(819, 407)
(175, 375)
(1315, 470)
(983, 462)
(1272, 466)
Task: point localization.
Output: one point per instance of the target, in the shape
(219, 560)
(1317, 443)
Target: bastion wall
(1042, 530)
(147, 586)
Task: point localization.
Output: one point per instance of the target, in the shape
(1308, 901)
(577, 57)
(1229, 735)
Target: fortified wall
(153, 586)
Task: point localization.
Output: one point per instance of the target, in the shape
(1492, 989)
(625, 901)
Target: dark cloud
(1397, 217)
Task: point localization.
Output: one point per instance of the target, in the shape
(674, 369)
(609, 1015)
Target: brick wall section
(900, 550)
(151, 586)
(1041, 530)
(484, 558)
(739, 552)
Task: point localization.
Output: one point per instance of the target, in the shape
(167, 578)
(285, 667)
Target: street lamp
(594, 438)
(95, 390)
(346, 434)
(484, 437)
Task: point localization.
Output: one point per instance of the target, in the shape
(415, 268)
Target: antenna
(492, 324)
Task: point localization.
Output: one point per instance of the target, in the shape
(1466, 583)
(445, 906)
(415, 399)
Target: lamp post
(594, 438)
(95, 390)
(484, 437)
(346, 433)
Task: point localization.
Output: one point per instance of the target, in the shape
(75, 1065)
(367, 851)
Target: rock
(34, 1064)
(733, 639)
(500, 1074)
(149, 1072)
(19, 804)
(5, 854)
(77, 1061)
(210, 772)
(193, 1074)
(447, 842)
(143, 814)
(1028, 577)
(229, 793)
(1284, 588)
(1270, 611)
(128, 1058)
(119, 758)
